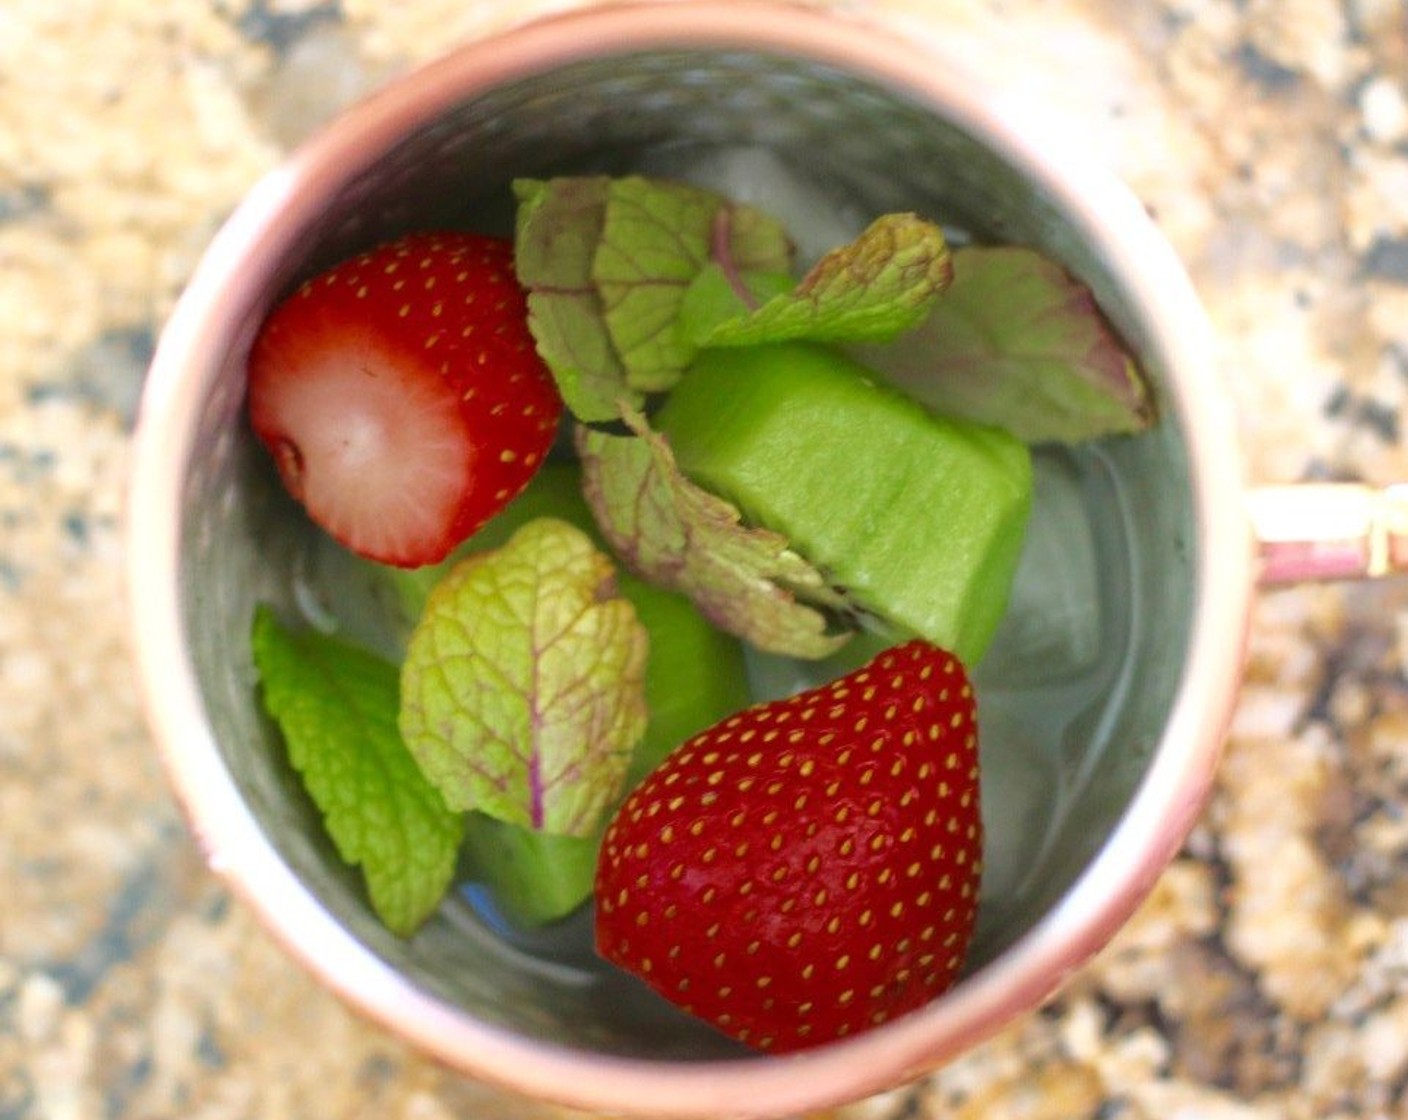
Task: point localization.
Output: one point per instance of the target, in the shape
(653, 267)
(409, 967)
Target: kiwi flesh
(917, 518)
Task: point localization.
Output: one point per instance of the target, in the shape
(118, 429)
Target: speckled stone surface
(1268, 975)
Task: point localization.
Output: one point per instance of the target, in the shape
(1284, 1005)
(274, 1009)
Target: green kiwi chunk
(917, 518)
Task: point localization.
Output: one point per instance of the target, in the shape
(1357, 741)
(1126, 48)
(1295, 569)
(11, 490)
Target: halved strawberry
(808, 868)
(401, 395)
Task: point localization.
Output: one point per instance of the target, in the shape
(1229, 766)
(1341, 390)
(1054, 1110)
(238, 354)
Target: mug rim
(1105, 894)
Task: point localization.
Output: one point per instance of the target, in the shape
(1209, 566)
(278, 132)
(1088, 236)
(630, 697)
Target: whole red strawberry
(808, 868)
(401, 395)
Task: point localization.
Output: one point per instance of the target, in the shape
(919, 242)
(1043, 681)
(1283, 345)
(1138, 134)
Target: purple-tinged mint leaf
(523, 687)
(559, 226)
(656, 238)
(746, 581)
(606, 262)
(1019, 343)
(870, 290)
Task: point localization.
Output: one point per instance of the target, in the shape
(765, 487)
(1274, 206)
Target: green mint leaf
(656, 238)
(1018, 343)
(336, 706)
(523, 685)
(877, 287)
(559, 227)
(746, 581)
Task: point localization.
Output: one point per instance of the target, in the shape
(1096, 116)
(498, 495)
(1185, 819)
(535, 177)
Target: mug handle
(1329, 531)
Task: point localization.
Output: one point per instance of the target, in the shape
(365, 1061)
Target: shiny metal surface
(896, 127)
(1331, 530)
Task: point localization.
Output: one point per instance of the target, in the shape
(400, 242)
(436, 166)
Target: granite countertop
(1268, 974)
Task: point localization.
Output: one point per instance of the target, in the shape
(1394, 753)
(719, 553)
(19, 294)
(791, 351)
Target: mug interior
(1055, 789)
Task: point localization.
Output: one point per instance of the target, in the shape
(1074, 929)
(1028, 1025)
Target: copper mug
(1081, 820)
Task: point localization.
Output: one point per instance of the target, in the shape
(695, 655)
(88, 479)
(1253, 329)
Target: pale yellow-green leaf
(523, 688)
